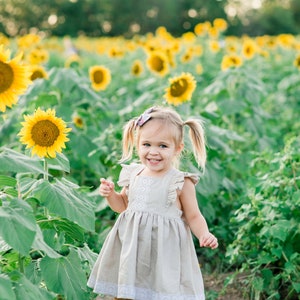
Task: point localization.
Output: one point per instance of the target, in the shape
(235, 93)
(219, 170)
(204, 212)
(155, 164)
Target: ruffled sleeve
(177, 184)
(126, 173)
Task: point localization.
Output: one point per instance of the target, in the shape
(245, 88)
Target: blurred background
(130, 17)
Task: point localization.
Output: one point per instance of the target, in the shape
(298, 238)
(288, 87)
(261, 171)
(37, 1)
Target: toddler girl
(149, 253)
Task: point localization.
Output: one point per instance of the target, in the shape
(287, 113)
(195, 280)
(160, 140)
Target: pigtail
(128, 140)
(197, 136)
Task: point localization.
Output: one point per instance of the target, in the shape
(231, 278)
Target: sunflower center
(6, 76)
(178, 87)
(44, 133)
(98, 77)
(157, 63)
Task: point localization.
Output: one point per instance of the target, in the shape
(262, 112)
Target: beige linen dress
(149, 253)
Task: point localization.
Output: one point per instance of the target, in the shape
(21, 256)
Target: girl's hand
(209, 240)
(106, 187)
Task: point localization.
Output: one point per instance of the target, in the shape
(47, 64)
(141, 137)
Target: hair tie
(144, 117)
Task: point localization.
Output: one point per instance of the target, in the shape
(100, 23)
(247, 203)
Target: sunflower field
(63, 104)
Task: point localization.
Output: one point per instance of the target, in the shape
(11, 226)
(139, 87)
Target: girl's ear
(180, 148)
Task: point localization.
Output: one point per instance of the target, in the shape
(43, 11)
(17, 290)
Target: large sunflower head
(100, 77)
(181, 89)
(157, 63)
(14, 79)
(45, 133)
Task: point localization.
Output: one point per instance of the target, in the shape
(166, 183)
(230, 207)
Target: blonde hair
(170, 117)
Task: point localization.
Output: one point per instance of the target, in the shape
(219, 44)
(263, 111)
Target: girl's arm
(194, 218)
(117, 201)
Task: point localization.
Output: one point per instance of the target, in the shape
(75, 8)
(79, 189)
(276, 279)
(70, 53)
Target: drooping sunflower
(100, 77)
(231, 61)
(38, 72)
(14, 79)
(157, 63)
(45, 133)
(181, 89)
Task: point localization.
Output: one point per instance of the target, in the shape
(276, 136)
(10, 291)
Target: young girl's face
(156, 147)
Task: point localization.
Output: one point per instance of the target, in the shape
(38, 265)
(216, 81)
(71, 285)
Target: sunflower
(45, 133)
(78, 121)
(231, 61)
(73, 61)
(137, 68)
(249, 48)
(157, 63)
(100, 77)
(220, 24)
(38, 72)
(297, 62)
(14, 79)
(181, 89)
(38, 56)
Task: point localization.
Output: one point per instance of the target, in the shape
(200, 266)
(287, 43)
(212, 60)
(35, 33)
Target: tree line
(130, 17)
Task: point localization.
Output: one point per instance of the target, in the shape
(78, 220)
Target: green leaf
(25, 289)
(40, 244)
(17, 225)
(6, 289)
(7, 181)
(296, 286)
(61, 163)
(66, 202)
(12, 161)
(281, 229)
(71, 229)
(65, 276)
(86, 254)
(258, 284)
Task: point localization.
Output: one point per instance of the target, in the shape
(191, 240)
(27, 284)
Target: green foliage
(267, 242)
(53, 222)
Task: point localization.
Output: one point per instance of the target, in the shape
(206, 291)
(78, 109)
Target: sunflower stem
(21, 263)
(45, 169)
(46, 178)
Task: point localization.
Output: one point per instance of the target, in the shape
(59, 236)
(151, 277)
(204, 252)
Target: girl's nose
(153, 151)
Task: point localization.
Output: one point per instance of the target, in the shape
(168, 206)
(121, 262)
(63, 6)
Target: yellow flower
(220, 24)
(249, 48)
(38, 56)
(137, 68)
(26, 41)
(73, 61)
(214, 46)
(231, 61)
(38, 72)
(297, 61)
(199, 69)
(78, 121)
(100, 77)
(14, 79)
(157, 62)
(45, 133)
(181, 89)
(202, 28)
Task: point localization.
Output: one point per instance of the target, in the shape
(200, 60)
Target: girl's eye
(163, 146)
(146, 145)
